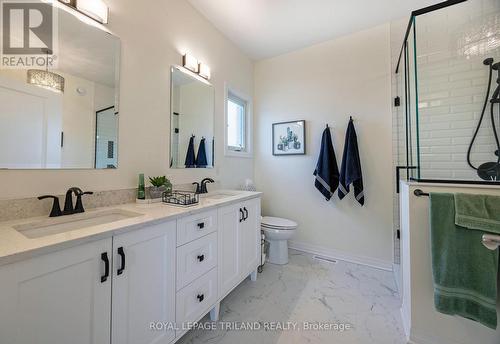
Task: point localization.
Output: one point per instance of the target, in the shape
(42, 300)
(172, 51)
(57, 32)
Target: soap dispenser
(141, 189)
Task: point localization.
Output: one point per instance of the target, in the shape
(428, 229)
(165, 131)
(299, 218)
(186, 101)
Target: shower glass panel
(449, 52)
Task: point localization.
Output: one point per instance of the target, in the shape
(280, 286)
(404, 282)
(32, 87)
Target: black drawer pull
(121, 253)
(200, 297)
(201, 225)
(246, 213)
(104, 258)
(201, 257)
(242, 215)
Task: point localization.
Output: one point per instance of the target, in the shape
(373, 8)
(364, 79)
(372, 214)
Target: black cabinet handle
(246, 213)
(121, 253)
(200, 297)
(201, 257)
(242, 215)
(104, 258)
(201, 225)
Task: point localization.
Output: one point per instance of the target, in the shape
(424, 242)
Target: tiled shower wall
(452, 86)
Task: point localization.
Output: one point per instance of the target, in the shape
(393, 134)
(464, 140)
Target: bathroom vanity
(125, 274)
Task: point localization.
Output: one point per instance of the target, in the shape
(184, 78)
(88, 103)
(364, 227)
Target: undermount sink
(219, 195)
(69, 223)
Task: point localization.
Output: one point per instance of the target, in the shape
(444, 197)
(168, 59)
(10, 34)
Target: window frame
(247, 152)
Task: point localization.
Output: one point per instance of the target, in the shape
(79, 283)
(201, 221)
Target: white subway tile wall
(452, 87)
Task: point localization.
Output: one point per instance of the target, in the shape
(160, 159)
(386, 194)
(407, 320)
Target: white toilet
(277, 232)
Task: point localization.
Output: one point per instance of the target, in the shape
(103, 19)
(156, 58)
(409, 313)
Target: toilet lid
(277, 222)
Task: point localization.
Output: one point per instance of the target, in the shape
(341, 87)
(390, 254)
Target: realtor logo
(28, 33)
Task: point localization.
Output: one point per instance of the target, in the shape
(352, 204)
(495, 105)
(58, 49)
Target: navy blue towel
(327, 171)
(350, 172)
(201, 158)
(190, 158)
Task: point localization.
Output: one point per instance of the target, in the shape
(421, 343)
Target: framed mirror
(191, 120)
(63, 116)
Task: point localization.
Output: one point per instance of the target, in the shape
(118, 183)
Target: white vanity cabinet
(144, 284)
(61, 297)
(239, 243)
(112, 290)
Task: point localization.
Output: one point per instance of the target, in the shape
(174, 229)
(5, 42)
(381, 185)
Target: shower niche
(447, 81)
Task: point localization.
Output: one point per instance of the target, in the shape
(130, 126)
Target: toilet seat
(277, 223)
(279, 228)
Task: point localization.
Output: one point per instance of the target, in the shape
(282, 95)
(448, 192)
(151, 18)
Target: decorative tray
(181, 198)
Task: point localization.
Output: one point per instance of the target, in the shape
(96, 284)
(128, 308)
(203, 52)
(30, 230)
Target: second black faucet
(201, 188)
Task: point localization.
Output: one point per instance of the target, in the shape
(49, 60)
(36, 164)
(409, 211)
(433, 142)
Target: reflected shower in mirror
(63, 116)
(192, 120)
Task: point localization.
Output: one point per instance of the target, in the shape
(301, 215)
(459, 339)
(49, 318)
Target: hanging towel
(201, 158)
(350, 172)
(327, 171)
(478, 212)
(190, 158)
(464, 271)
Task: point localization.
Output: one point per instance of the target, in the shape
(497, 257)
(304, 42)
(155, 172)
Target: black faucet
(68, 203)
(203, 186)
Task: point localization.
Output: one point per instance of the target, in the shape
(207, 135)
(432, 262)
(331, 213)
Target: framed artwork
(289, 138)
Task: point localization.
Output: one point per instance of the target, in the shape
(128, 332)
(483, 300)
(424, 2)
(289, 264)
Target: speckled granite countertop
(14, 246)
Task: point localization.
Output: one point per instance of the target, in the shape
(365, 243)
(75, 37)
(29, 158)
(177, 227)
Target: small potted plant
(159, 185)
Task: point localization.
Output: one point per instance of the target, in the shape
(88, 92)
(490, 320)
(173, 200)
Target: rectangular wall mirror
(73, 128)
(192, 120)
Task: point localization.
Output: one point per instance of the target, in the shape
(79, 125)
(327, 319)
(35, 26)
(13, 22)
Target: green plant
(159, 181)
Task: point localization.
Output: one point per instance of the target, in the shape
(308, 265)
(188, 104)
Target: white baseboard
(339, 255)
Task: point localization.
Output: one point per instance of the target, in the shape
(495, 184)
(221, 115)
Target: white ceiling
(266, 28)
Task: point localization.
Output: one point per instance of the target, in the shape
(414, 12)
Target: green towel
(464, 271)
(478, 212)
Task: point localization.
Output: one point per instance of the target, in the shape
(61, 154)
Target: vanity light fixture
(95, 9)
(190, 62)
(204, 71)
(45, 79)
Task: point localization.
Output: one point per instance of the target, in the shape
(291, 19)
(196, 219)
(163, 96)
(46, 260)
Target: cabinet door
(144, 289)
(229, 248)
(250, 237)
(57, 297)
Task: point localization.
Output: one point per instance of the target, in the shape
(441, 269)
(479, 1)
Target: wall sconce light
(95, 9)
(190, 62)
(204, 71)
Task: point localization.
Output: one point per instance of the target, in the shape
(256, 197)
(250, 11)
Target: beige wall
(154, 35)
(324, 84)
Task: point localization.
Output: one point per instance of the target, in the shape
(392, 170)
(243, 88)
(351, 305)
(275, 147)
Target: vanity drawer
(195, 226)
(195, 259)
(196, 299)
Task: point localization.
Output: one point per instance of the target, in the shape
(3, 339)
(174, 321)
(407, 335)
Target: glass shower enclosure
(448, 102)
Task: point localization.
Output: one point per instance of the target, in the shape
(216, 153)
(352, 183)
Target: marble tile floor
(309, 291)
